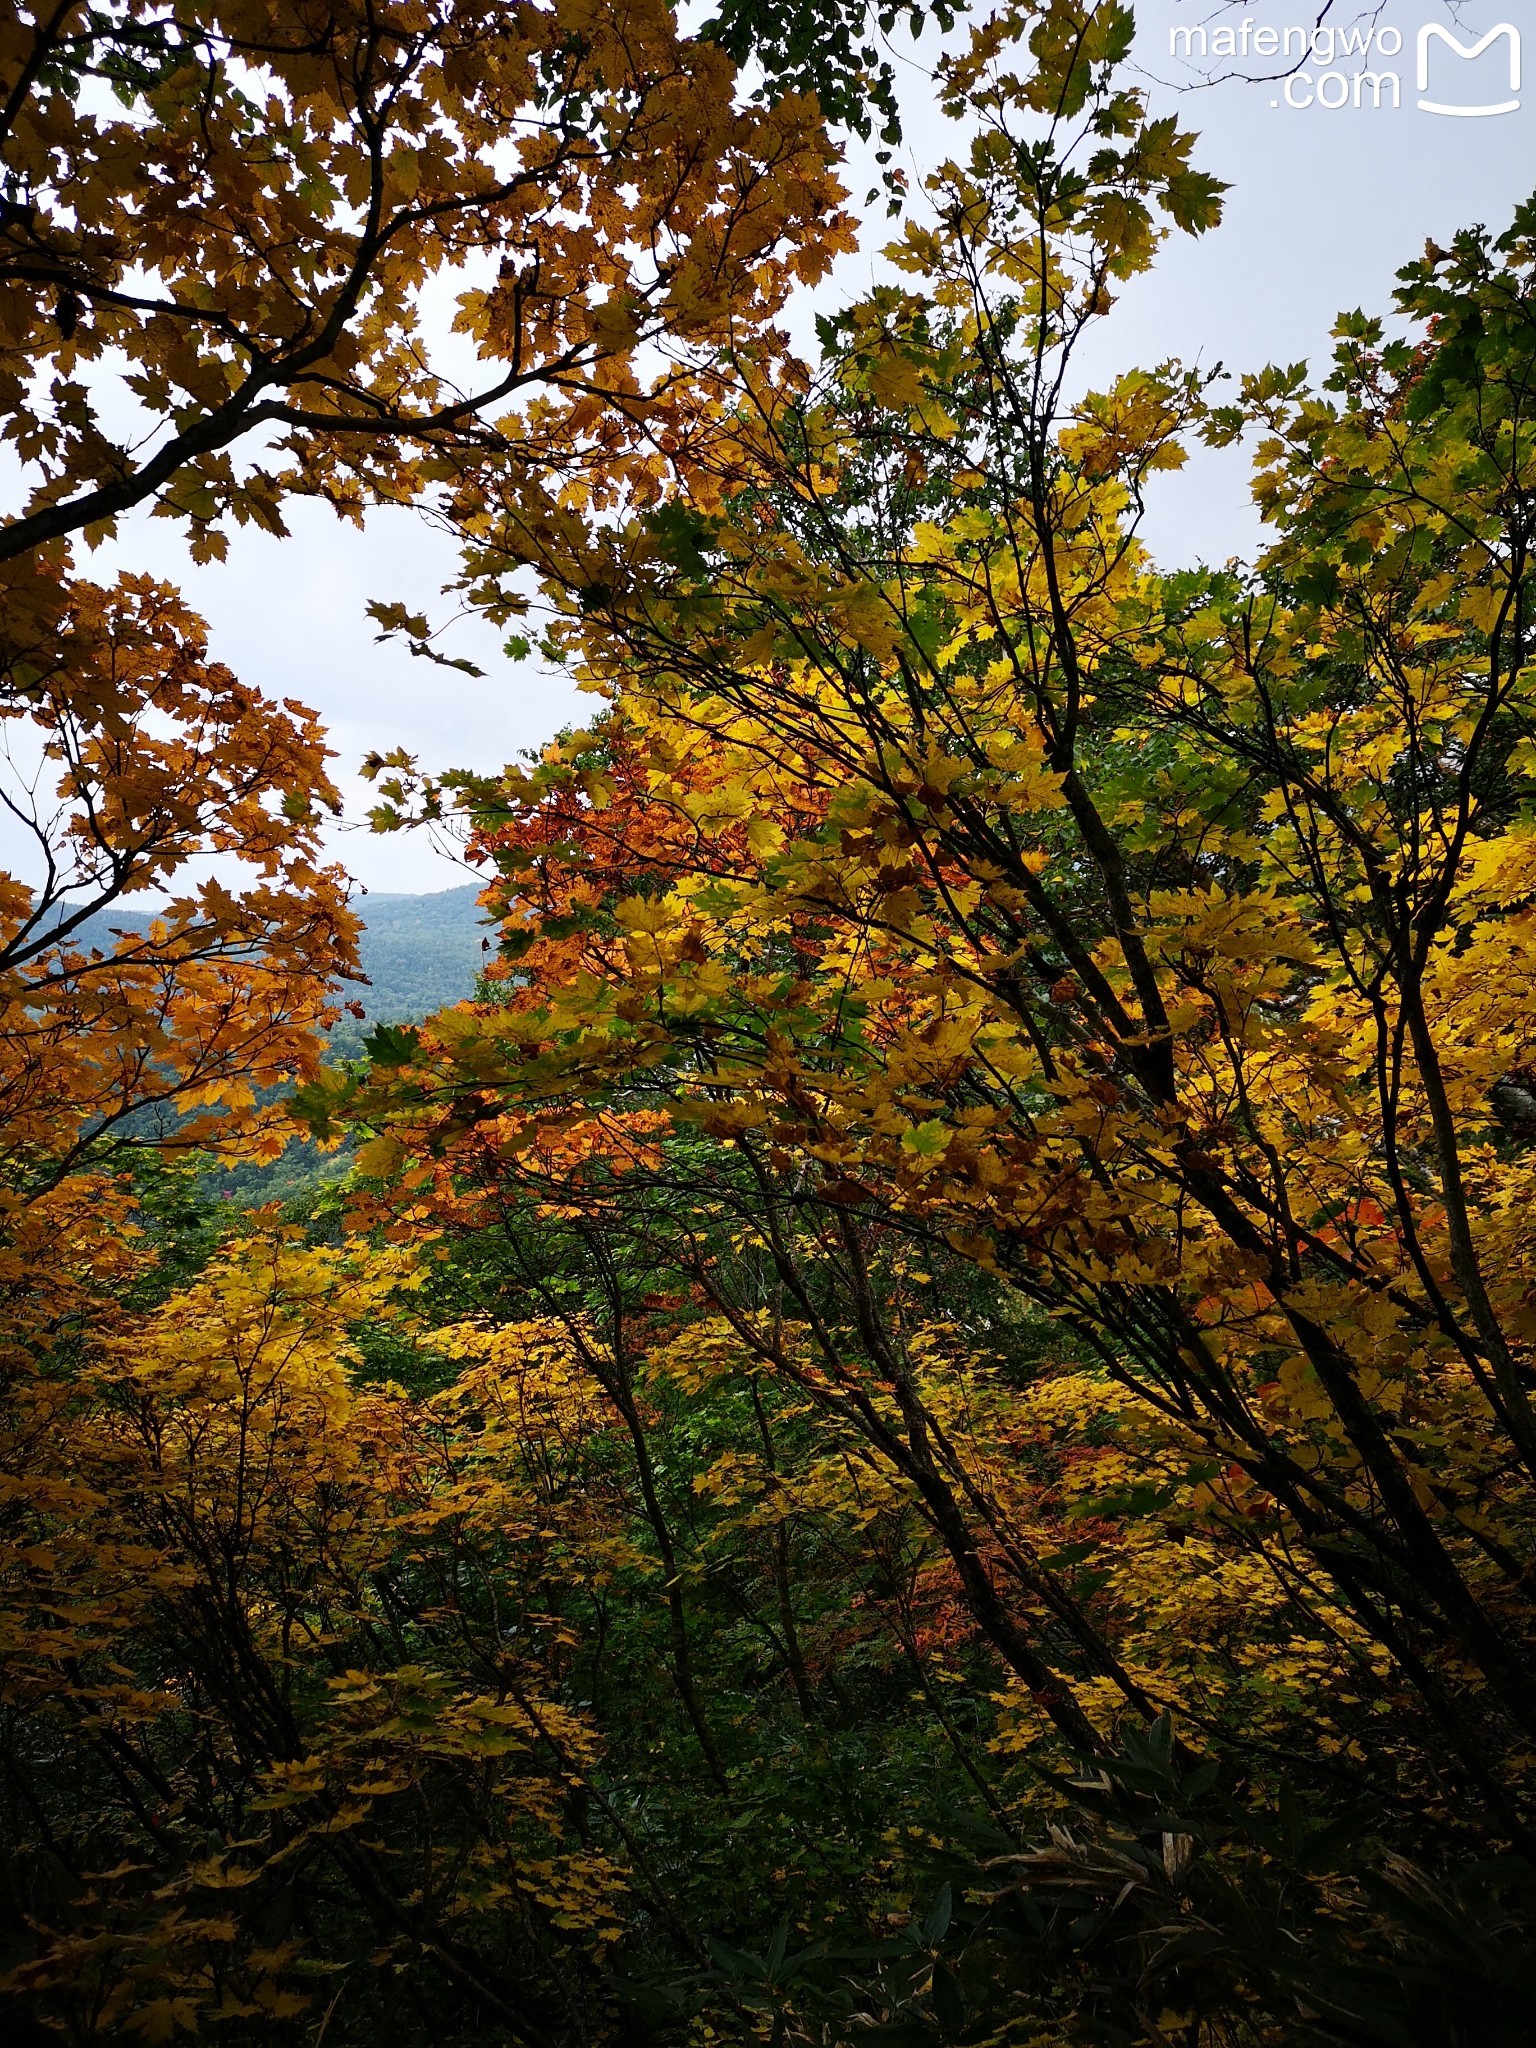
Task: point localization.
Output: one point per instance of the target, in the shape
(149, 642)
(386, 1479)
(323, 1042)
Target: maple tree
(223, 226)
(955, 878)
(221, 233)
(169, 796)
(252, 205)
(227, 1614)
(917, 1425)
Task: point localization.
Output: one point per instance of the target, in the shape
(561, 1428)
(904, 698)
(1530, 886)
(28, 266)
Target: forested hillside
(914, 1420)
(420, 953)
(417, 953)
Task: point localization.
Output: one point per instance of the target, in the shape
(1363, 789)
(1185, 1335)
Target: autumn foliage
(253, 202)
(919, 1425)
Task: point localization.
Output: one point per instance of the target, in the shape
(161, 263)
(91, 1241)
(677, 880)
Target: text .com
(1333, 68)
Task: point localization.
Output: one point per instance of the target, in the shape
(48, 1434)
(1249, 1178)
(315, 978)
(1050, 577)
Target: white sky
(1324, 207)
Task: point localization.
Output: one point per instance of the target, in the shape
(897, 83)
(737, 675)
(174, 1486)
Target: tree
(257, 1692)
(971, 1251)
(1156, 941)
(253, 206)
(155, 763)
(224, 227)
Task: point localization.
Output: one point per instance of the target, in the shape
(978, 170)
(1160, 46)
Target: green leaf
(936, 1926)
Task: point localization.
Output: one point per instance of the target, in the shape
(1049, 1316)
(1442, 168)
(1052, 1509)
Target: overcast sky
(1326, 204)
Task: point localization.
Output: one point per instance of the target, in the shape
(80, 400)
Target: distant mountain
(420, 953)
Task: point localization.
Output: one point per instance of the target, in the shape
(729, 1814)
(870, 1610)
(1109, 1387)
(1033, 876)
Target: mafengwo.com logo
(1367, 64)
